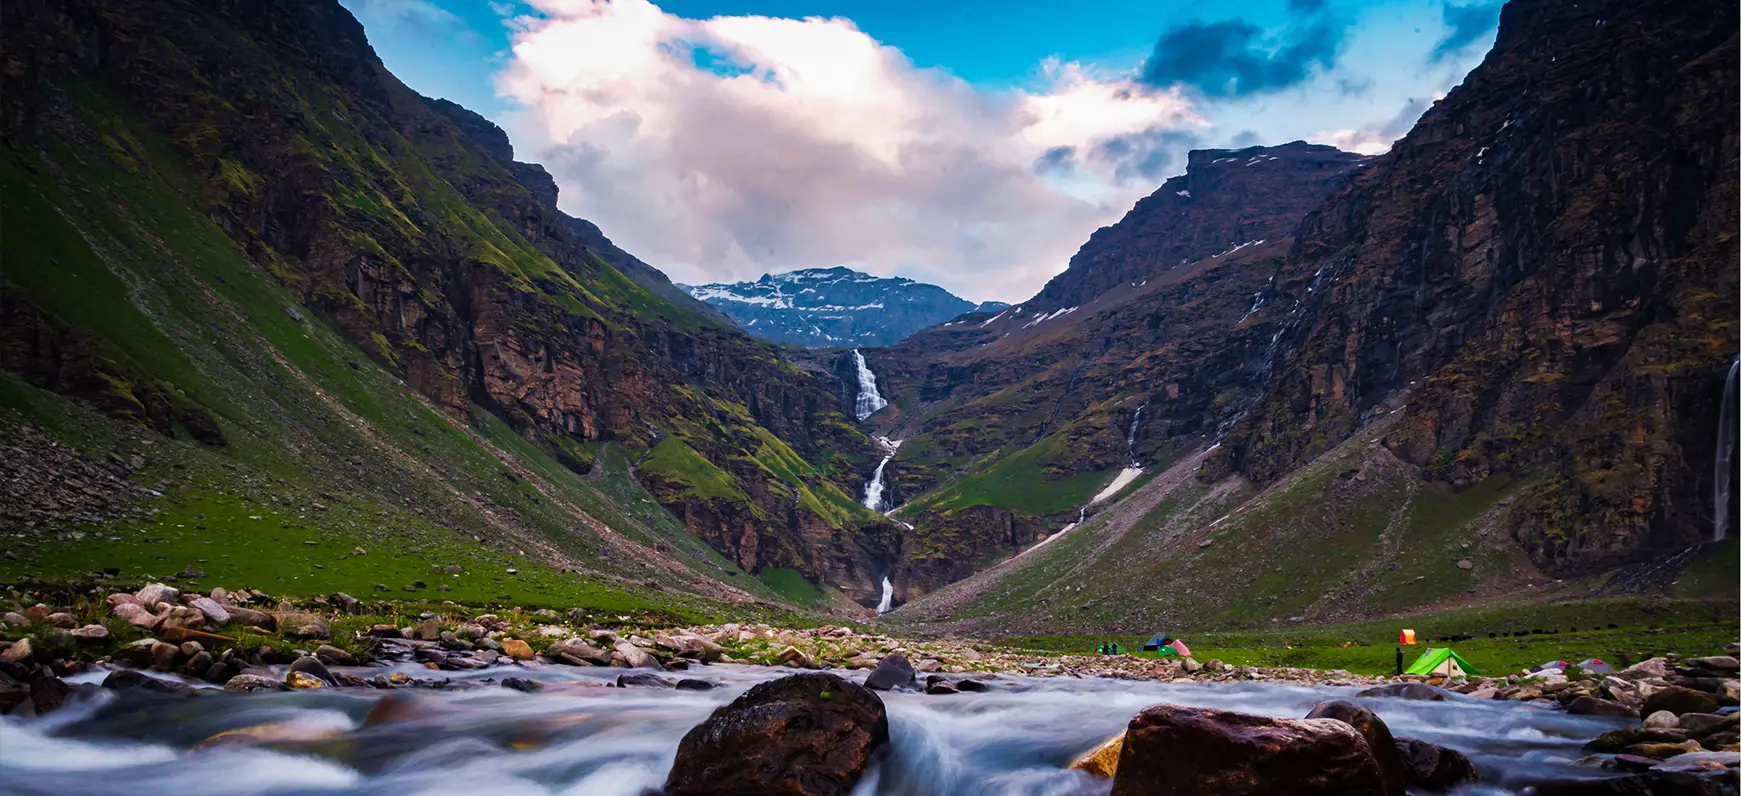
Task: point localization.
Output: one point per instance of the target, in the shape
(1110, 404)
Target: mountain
(343, 308)
(834, 307)
(1014, 419)
(1487, 360)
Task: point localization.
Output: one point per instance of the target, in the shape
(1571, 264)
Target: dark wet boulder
(642, 680)
(974, 686)
(522, 684)
(1596, 706)
(1373, 729)
(894, 672)
(132, 680)
(1430, 767)
(1415, 691)
(692, 684)
(49, 694)
(1171, 750)
(811, 734)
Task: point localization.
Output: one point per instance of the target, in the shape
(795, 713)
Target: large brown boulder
(1415, 691)
(811, 734)
(1376, 733)
(1678, 700)
(1179, 751)
(1428, 766)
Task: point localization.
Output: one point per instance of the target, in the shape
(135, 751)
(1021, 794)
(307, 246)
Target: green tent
(1444, 662)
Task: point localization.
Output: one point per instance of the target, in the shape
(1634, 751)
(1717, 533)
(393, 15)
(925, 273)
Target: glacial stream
(578, 738)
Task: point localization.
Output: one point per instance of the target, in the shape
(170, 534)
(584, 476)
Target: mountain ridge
(833, 307)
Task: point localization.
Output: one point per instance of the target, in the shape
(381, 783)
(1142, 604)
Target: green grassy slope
(324, 452)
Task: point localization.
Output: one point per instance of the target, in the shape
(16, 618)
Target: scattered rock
(215, 613)
(251, 617)
(575, 652)
(333, 656)
(811, 734)
(517, 649)
(894, 672)
(1101, 762)
(797, 658)
(1170, 750)
(312, 667)
(1677, 700)
(245, 683)
(972, 685)
(130, 679)
(636, 657)
(91, 634)
(153, 593)
(301, 625)
(20, 651)
(301, 680)
(692, 684)
(1593, 706)
(1662, 719)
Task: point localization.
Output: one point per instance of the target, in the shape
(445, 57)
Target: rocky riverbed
(174, 692)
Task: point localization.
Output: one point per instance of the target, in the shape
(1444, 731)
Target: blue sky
(1120, 90)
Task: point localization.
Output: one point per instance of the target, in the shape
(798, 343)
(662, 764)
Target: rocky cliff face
(834, 307)
(1016, 418)
(1541, 277)
(405, 223)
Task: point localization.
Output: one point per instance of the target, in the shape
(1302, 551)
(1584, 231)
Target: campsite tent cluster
(1164, 645)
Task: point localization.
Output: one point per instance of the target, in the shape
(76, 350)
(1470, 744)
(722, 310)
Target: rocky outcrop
(1543, 271)
(1178, 750)
(810, 734)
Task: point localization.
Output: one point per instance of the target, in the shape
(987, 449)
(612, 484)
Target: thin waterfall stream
(1722, 489)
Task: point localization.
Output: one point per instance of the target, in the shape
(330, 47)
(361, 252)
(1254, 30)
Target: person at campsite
(1399, 661)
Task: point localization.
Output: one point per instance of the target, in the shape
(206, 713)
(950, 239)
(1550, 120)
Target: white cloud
(803, 143)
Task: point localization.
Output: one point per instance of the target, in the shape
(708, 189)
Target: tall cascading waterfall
(1130, 436)
(873, 490)
(888, 596)
(1725, 463)
(868, 401)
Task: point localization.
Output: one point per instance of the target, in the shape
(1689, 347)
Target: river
(590, 741)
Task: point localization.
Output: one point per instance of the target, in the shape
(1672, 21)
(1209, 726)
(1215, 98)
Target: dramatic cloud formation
(1235, 58)
(1466, 24)
(720, 149)
(1377, 138)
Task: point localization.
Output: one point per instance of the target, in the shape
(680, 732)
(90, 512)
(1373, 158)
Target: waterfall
(888, 596)
(1725, 459)
(873, 491)
(1130, 436)
(868, 401)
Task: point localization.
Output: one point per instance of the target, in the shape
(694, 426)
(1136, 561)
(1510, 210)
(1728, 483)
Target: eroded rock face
(1180, 751)
(811, 734)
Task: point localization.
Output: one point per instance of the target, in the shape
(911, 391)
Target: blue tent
(1158, 641)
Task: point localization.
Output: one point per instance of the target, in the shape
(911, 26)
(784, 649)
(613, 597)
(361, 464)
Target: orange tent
(1407, 636)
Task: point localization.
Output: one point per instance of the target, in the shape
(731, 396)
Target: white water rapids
(888, 600)
(868, 400)
(573, 740)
